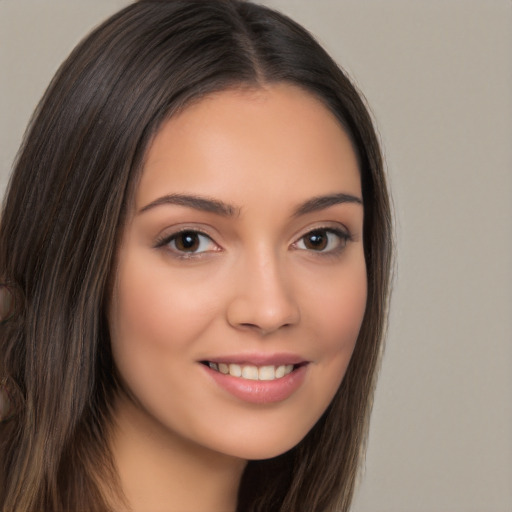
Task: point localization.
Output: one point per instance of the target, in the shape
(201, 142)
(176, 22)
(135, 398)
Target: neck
(163, 472)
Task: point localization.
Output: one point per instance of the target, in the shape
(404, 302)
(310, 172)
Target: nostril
(254, 310)
(263, 330)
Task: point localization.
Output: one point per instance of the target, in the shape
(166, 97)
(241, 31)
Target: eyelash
(343, 237)
(166, 242)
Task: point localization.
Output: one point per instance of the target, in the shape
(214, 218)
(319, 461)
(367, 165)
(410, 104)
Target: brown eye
(189, 242)
(323, 240)
(316, 240)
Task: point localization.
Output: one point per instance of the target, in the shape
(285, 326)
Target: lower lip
(260, 391)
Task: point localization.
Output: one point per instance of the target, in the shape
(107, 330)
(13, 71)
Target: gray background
(438, 76)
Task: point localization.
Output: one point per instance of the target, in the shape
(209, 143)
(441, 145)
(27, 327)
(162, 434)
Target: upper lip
(259, 359)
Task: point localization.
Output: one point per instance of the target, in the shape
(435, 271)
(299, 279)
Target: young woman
(194, 258)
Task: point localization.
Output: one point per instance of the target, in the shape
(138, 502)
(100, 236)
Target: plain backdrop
(438, 77)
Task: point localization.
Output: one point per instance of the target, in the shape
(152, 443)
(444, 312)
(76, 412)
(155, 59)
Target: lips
(258, 379)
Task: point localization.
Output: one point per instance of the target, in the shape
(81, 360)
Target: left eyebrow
(322, 202)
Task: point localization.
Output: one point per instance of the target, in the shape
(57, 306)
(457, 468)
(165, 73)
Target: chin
(258, 449)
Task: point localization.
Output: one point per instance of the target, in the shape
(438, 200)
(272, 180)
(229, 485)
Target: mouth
(258, 378)
(253, 372)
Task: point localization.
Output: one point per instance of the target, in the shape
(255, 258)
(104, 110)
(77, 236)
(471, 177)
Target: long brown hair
(59, 233)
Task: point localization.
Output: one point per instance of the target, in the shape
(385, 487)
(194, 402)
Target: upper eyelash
(342, 233)
(164, 240)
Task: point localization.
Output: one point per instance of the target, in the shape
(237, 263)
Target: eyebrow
(223, 209)
(205, 204)
(322, 202)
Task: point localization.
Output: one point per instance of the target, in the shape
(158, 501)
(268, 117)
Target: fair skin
(242, 252)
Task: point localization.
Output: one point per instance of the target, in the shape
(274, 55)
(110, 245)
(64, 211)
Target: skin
(254, 283)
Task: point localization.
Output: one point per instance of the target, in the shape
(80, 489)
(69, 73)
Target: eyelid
(337, 229)
(342, 232)
(164, 241)
(333, 227)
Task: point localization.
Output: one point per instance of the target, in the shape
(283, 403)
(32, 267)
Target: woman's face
(241, 279)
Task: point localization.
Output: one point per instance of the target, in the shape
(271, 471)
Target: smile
(262, 383)
(252, 372)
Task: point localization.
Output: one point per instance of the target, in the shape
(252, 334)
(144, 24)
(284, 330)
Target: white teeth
(267, 373)
(252, 372)
(235, 370)
(280, 371)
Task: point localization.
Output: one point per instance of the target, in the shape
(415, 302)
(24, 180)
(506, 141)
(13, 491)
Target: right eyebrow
(204, 204)
(322, 202)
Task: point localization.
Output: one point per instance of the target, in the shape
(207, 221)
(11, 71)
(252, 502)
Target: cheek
(154, 311)
(343, 315)
(141, 313)
(137, 320)
(155, 321)
(336, 316)
(339, 305)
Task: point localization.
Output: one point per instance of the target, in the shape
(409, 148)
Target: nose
(263, 300)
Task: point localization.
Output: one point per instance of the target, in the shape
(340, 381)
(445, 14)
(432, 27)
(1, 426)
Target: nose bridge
(264, 298)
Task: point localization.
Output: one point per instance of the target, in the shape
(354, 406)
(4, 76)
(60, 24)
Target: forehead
(279, 140)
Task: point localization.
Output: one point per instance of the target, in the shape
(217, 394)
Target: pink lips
(260, 391)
